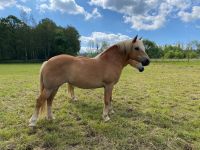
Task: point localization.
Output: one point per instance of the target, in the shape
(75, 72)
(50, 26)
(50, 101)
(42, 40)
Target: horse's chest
(112, 76)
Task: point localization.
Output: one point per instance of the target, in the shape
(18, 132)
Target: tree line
(177, 51)
(21, 41)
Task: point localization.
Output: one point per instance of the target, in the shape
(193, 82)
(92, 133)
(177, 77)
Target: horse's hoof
(32, 122)
(50, 118)
(112, 112)
(32, 130)
(74, 99)
(32, 125)
(106, 118)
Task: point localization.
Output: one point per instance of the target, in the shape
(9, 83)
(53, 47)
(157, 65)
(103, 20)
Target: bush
(169, 54)
(193, 54)
(179, 54)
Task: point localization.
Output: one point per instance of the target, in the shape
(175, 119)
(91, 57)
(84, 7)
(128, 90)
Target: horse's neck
(114, 56)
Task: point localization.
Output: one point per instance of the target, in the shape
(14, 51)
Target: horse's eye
(137, 48)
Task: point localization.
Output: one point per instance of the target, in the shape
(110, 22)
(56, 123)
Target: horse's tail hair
(42, 108)
(70, 88)
(41, 77)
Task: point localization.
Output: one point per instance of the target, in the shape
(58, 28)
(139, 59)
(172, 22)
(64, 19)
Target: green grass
(157, 109)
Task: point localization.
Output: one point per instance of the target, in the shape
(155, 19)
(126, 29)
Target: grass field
(157, 109)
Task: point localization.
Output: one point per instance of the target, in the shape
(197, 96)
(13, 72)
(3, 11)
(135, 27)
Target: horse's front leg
(107, 101)
(111, 111)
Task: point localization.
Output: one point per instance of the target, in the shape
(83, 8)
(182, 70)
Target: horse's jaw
(140, 67)
(136, 65)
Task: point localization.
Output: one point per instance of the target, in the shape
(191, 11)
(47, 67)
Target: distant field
(157, 109)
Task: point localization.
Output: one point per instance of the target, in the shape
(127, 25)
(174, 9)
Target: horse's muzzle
(141, 69)
(145, 62)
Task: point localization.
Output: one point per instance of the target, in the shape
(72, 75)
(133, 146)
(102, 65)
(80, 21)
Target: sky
(162, 21)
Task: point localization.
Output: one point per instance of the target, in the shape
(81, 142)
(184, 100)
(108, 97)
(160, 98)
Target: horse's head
(137, 53)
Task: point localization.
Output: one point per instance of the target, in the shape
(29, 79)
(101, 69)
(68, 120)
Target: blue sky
(162, 21)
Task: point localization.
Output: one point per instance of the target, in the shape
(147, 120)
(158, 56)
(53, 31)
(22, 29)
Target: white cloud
(6, 3)
(99, 37)
(189, 16)
(43, 7)
(94, 14)
(24, 8)
(149, 14)
(11, 3)
(67, 6)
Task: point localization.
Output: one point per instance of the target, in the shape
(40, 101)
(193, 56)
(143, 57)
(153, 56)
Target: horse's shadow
(86, 111)
(90, 110)
(93, 111)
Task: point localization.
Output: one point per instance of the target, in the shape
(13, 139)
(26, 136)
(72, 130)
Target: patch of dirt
(90, 132)
(188, 147)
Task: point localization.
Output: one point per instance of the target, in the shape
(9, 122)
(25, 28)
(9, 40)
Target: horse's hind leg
(71, 92)
(40, 102)
(49, 105)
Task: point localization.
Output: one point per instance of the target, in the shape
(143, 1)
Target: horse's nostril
(145, 62)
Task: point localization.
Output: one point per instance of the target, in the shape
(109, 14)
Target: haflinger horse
(104, 70)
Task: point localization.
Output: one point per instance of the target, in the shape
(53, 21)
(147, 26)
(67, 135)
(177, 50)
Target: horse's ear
(135, 38)
(140, 38)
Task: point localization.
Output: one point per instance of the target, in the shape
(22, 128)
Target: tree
(25, 31)
(45, 31)
(174, 51)
(152, 49)
(195, 45)
(72, 38)
(24, 39)
(104, 45)
(11, 43)
(91, 44)
(169, 54)
(67, 41)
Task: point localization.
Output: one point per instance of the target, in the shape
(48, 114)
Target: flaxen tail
(41, 77)
(42, 92)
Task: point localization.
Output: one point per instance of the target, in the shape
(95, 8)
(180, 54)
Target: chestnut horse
(104, 70)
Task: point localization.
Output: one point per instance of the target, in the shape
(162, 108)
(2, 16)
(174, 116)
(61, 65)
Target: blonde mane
(123, 46)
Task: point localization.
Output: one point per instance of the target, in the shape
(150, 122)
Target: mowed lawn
(157, 109)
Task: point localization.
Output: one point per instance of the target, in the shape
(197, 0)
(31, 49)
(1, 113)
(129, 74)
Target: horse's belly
(85, 75)
(88, 86)
(86, 83)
